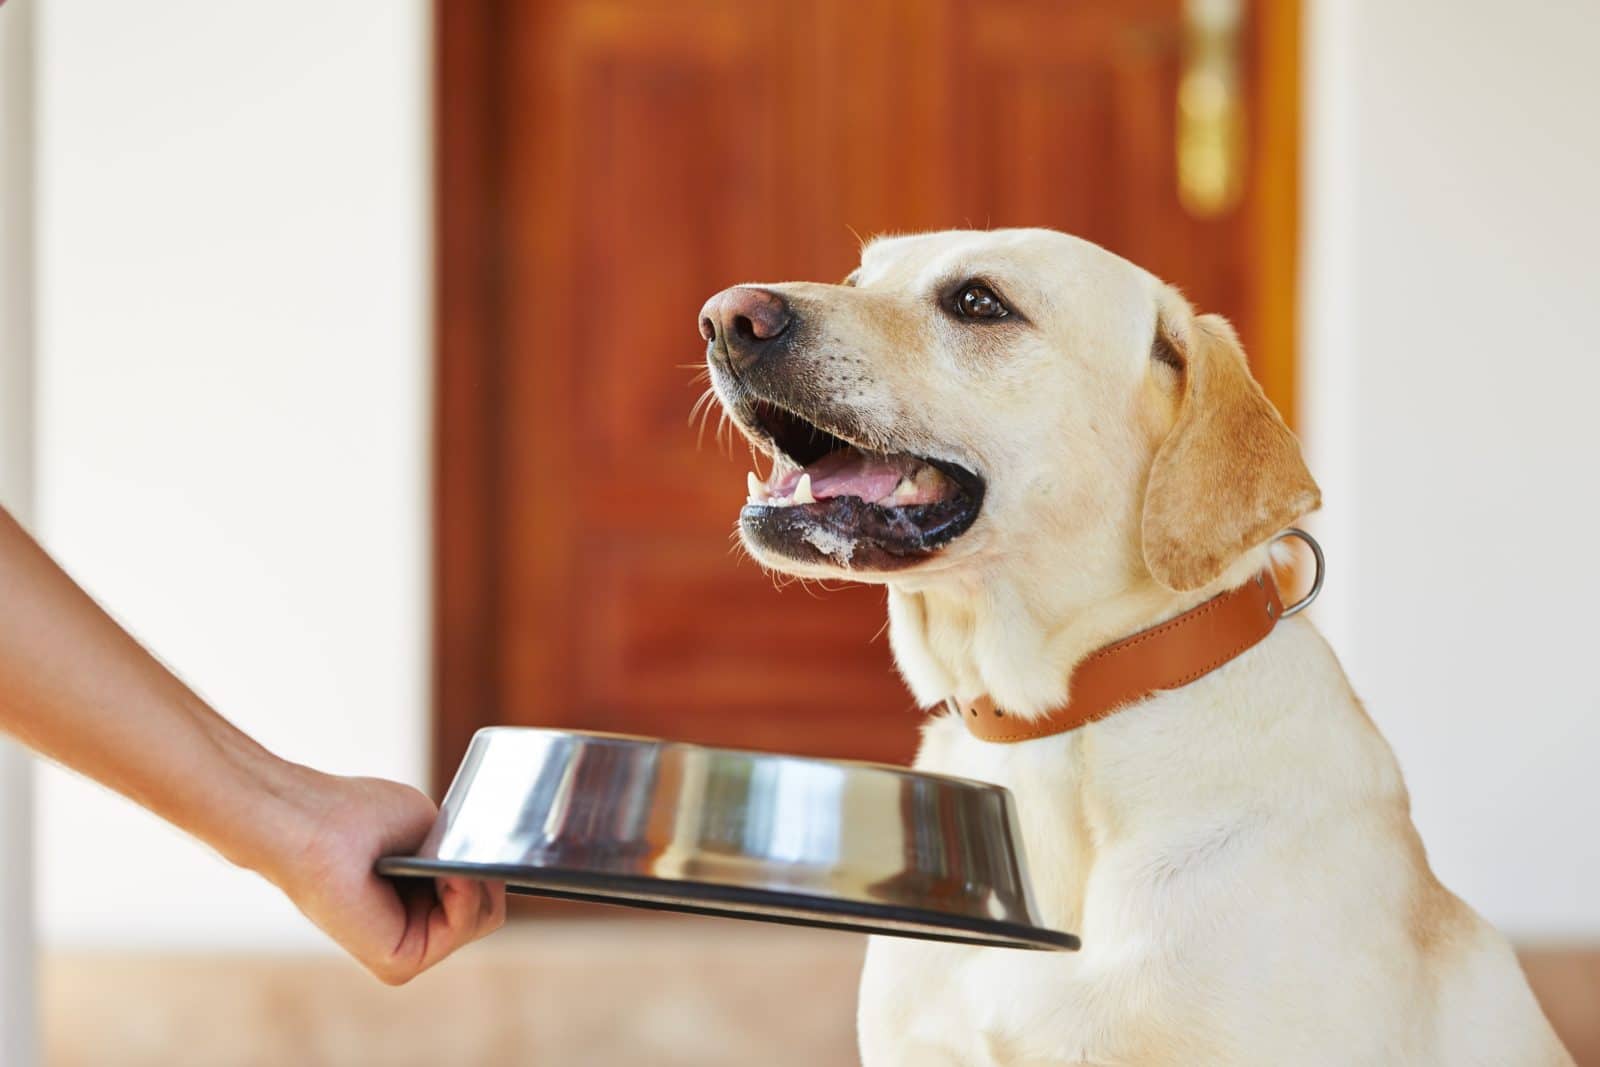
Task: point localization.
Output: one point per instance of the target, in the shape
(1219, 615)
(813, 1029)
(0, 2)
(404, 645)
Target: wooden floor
(600, 992)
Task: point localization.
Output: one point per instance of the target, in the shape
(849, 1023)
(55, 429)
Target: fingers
(490, 898)
(467, 910)
(439, 918)
(493, 914)
(411, 956)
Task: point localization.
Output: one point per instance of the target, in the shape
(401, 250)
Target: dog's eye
(979, 302)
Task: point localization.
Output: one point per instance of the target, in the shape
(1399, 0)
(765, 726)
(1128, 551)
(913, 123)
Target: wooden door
(605, 165)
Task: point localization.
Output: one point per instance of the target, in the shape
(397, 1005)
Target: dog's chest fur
(1237, 856)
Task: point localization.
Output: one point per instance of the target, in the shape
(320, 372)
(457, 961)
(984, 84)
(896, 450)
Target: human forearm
(77, 688)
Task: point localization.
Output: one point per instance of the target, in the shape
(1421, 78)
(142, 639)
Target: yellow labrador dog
(1040, 449)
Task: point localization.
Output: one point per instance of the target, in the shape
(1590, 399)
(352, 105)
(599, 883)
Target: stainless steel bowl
(755, 835)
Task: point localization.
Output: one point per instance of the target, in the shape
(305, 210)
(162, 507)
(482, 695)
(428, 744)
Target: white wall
(18, 999)
(232, 404)
(1451, 399)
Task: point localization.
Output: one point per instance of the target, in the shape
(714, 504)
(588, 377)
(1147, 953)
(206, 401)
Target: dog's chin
(832, 508)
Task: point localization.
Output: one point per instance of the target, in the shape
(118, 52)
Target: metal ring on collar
(1316, 583)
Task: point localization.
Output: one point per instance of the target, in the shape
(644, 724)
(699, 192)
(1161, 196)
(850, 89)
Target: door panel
(607, 165)
(665, 153)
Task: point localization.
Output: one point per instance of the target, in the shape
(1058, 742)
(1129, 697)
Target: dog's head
(968, 396)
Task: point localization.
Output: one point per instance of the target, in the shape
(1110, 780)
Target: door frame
(469, 156)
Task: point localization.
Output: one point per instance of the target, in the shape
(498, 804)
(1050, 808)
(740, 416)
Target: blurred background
(342, 351)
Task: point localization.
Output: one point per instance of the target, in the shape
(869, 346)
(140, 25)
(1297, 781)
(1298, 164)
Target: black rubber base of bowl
(734, 902)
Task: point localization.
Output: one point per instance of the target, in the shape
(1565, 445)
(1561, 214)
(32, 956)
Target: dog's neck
(1004, 633)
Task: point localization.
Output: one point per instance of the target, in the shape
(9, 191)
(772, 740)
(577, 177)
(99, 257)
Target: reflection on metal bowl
(680, 827)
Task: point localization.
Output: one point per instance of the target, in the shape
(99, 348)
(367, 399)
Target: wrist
(262, 814)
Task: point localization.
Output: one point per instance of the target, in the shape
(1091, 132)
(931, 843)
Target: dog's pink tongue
(846, 473)
(853, 473)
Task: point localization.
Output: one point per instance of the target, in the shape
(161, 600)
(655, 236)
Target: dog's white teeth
(802, 491)
(905, 490)
(758, 491)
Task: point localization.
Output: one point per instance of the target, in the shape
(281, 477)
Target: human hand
(396, 930)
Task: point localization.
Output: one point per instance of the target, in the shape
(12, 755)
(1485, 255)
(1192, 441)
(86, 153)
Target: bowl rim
(720, 900)
(643, 740)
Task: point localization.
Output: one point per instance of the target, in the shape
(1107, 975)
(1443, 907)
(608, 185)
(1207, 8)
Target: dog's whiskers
(701, 411)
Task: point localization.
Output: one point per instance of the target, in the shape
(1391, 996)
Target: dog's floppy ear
(1229, 475)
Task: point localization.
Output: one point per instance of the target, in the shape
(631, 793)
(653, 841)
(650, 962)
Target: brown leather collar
(1167, 656)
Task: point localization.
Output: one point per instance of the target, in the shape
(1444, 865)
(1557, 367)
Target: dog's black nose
(742, 322)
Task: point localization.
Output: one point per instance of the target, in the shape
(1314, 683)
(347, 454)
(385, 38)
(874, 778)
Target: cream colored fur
(1238, 855)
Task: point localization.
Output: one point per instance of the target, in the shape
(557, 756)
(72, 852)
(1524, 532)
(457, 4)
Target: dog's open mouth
(828, 499)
